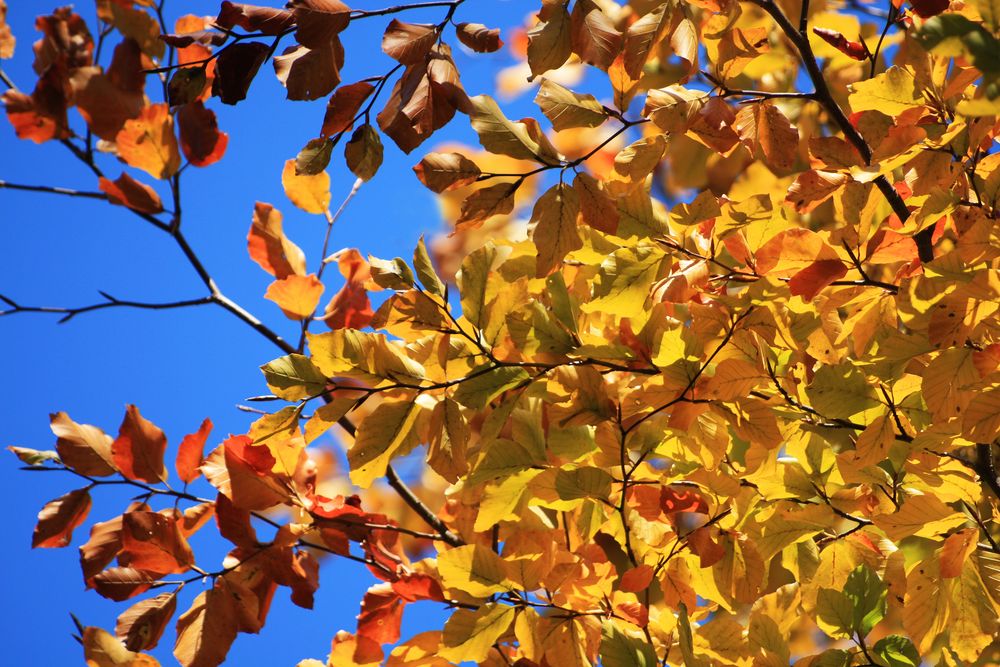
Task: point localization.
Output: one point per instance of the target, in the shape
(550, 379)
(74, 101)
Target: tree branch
(69, 192)
(111, 302)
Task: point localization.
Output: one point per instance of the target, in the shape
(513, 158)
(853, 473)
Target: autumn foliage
(706, 372)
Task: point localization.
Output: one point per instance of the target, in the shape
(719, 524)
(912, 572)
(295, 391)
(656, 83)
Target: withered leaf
(235, 69)
(308, 74)
(126, 191)
(265, 20)
(82, 447)
(478, 37)
(269, 247)
(595, 39)
(319, 21)
(59, 517)
(138, 450)
(141, 625)
(201, 141)
(408, 43)
(446, 171)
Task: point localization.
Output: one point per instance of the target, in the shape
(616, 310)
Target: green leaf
(621, 650)
(954, 35)
(314, 157)
(33, 457)
(583, 483)
(896, 651)
(502, 136)
(425, 270)
(835, 613)
(477, 392)
(867, 594)
(363, 152)
(293, 377)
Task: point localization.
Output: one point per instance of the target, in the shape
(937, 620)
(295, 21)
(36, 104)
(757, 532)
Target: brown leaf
(82, 447)
(343, 107)
(235, 69)
(308, 74)
(122, 583)
(642, 37)
(141, 625)
(126, 191)
(138, 449)
(485, 203)
(206, 630)
(154, 542)
(478, 37)
(59, 517)
(597, 208)
(66, 43)
(408, 43)
(550, 42)
(269, 247)
(595, 38)
(265, 20)
(319, 21)
(423, 100)
(186, 85)
(104, 544)
(104, 106)
(296, 295)
(446, 171)
(201, 141)
(189, 453)
(554, 233)
(763, 126)
(234, 523)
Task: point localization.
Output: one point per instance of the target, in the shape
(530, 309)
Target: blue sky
(184, 365)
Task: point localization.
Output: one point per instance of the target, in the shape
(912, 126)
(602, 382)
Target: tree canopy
(705, 372)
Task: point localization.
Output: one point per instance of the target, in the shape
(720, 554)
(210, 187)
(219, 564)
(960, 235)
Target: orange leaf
(82, 447)
(856, 50)
(202, 142)
(42, 115)
(141, 625)
(189, 453)
(269, 247)
(636, 579)
(148, 142)
(811, 280)
(297, 296)
(126, 191)
(138, 449)
(153, 542)
(59, 517)
(242, 472)
(122, 583)
(350, 308)
(955, 551)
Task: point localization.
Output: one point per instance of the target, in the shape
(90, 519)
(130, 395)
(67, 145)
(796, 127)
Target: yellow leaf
(101, 649)
(383, 433)
(499, 135)
(309, 193)
(924, 516)
(469, 635)
(925, 606)
(148, 142)
(892, 92)
(566, 109)
(473, 569)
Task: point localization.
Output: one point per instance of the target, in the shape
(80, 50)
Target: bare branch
(69, 192)
(110, 302)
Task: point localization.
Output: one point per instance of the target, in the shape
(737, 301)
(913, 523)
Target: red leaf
(928, 8)
(808, 282)
(59, 517)
(126, 191)
(138, 450)
(265, 20)
(416, 586)
(257, 458)
(201, 141)
(190, 452)
(42, 115)
(381, 614)
(856, 50)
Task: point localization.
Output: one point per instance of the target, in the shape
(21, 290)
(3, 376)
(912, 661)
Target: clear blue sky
(177, 366)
